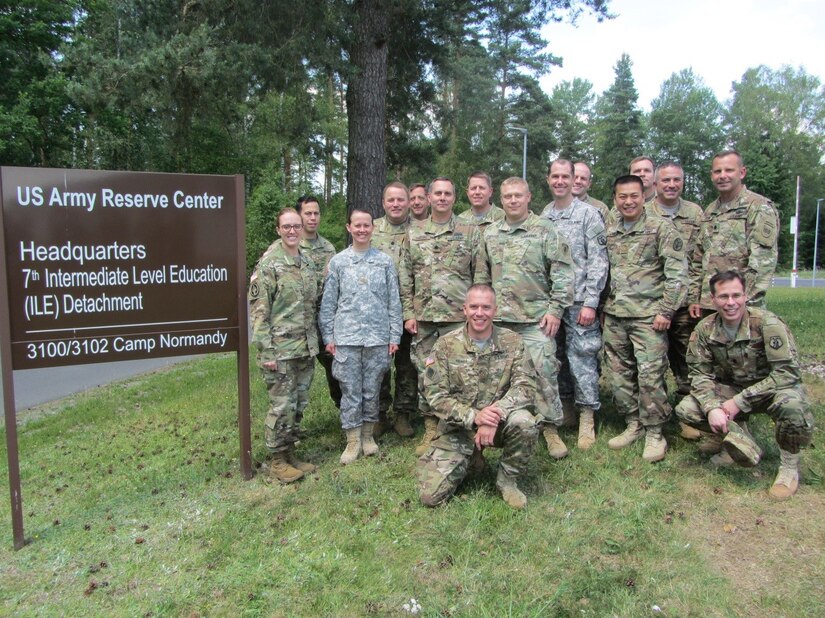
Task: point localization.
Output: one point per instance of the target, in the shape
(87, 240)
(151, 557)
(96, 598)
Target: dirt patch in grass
(766, 550)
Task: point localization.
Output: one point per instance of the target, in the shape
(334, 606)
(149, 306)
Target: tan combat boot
(509, 491)
(568, 409)
(367, 442)
(430, 428)
(655, 444)
(353, 449)
(689, 433)
(633, 432)
(402, 426)
(555, 446)
(787, 481)
(382, 426)
(303, 466)
(281, 470)
(587, 428)
(722, 459)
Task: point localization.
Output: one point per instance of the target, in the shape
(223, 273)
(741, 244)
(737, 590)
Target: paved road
(785, 282)
(36, 386)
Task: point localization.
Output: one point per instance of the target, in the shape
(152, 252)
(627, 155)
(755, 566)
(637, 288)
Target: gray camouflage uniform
(577, 346)
(461, 381)
(283, 292)
(361, 314)
(529, 267)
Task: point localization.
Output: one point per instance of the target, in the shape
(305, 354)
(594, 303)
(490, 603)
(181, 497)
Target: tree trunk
(366, 108)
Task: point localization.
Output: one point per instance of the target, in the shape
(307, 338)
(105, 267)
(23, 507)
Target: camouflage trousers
(359, 371)
(406, 381)
(542, 351)
(577, 350)
(443, 467)
(787, 407)
(288, 388)
(678, 337)
(636, 358)
(422, 345)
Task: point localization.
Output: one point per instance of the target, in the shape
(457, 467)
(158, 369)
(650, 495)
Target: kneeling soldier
(481, 386)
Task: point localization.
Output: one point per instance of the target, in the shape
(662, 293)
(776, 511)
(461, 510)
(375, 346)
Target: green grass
(134, 506)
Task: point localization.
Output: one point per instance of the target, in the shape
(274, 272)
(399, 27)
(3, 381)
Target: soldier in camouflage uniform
(437, 268)
(579, 339)
(529, 265)
(388, 236)
(481, 385)
(283, 293)
(320, 251)
(360, 319)
(482, 212)
(743, 360)
(644, 167)
(581, 185)
(738, 232)
(685, 215)
(648, 282)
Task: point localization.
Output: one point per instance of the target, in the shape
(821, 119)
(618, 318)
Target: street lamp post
(524, 153)
(816, 241)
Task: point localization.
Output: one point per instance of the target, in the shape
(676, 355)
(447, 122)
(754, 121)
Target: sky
(719, 39)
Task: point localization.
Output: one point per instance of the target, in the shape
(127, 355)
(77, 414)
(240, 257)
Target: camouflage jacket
(686, 219)
(360, 305)
(604, 211)
(529, 267)
(740, 235)
(437, 268)
(493, 215)
(648, 270)
(761, 360)
(283, 292)
(583, 228)
(461, 380)
(389, 238)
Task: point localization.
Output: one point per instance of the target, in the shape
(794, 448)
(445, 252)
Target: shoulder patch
(775, 342)
(602, 239)
(678, 244)
(254, 290)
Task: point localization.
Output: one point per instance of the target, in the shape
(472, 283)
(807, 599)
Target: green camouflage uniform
(740, 235)
(648, 278)
(531, 271)
(494, 215)
(604, 211)
(320, 251)
(578, 346)
(437, 268)
(460, 381)
(686, 219)
(389, 238)
(283, 293)
(759, 370)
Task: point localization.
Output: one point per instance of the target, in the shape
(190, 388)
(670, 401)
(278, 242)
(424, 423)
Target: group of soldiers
(499, 320)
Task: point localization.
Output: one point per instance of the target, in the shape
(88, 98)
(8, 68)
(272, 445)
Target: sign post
(109, 266)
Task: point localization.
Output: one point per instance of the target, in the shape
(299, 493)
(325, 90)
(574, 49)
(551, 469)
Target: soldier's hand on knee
(731, 409)
(718, 420)
(485, 436)
(489, 416)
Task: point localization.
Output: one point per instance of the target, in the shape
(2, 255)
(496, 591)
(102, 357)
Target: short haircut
(284, 211)
(306, 199)
(480, 287)
(728, 153)
(514, 180)
(440, 179)
(724, 277)
(480, 174)
(395, 185)
(417, 185)
(562, 162)
(358, 210)
(643, 158)
(589, 171)
(668, 163)
(626, 180)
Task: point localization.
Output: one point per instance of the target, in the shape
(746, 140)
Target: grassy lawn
(134, 506)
